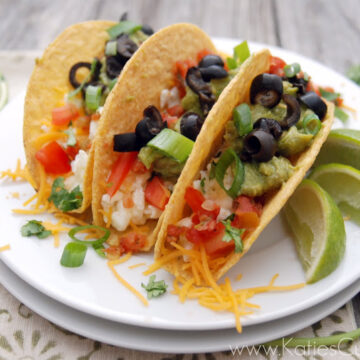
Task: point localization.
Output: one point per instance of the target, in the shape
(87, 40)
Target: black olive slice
(293, 112)
(125, 47)
(209, 60)
(314, 102)
(300, 83)
(150, 125)
(146, 29)
(260, 145)
(124, 16)
(126, 142)
(266, 90)
(190, 125)
(213, 72)
(72, 74)
(113, 67)
(269, 125)
(207, 101)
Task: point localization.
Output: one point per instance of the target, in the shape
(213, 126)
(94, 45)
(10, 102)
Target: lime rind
(3, 91)
(318, 229)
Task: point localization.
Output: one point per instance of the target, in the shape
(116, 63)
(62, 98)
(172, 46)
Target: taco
(62, 112)
(244, 166)
(150, 123)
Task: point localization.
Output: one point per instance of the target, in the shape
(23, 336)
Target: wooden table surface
(326, 30)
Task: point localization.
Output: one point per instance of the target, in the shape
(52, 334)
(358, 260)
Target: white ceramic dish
(94, 290)
(165, 341)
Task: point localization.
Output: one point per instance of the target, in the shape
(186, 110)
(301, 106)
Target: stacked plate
(90, 301)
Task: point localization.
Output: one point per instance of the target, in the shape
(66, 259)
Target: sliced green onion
(71, 141)
(341, 115)
(231, 63)
(172, 144)
(96, 242)
(93, 97)
(212, 170)
(226, 159)
(111, 48)
(328, 95)
(99, 250)
(242, 119)
(292, 69)
(91, 73)
(123, 27)
(241, 52)
(112, 83)
(73, 255)
(311, 124)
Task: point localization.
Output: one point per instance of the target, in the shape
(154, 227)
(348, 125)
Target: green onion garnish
(91, 73)
(99, 250)
(93, 97)
(292, 69)
(328, 95)
(111, 48)
(241, 52)
(73, 255)
(112, 83)
(123, 27)
(242, 119)
(3, 91)
(227, 158)
(172, 144)
(96, 242)
(231, 63)
(311, 124)
(341, 115)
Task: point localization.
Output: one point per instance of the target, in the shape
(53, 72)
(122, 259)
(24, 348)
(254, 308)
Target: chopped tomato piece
(156, 194)
(170, 120)
(181, 68)
(190, 63)
(120, 170)
(277, 66)
(176, 110)
(313, 87)
(54, 159)
(202, 53)
(204, 231)
(139, 167)
(173, 232)
(195, 200)
(217, 247)
(246, 204)
(62, 116)
(114, 252)
(72, 151)
(95, 116)
(133, 242)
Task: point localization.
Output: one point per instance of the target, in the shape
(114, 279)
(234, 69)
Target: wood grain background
(326, 30)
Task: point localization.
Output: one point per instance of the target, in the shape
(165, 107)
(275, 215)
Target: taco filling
(65, 141)
(151, 159)
(258, 154)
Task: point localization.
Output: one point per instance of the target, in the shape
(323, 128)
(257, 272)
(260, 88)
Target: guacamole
(168, 168)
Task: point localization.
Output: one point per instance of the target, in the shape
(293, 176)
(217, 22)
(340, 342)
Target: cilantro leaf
(71, 141)
(202, 185)
(34, 227)
(62, 198)
(354, 73)
(233, 233)
(328, 95)
(154, 288)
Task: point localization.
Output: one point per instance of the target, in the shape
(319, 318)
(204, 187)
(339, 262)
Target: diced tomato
(176, 110)
(114, 252)
(170, 120)
(120, 170)
(246, 220)
(338, 101)
(181, 68)
(174, 230)
(133, 242)
(195, 200)
(72, 151)
(217, 247)
(139, 167)
(202, 53)
(246, 204)
(277, 66)
(190, 63)
(95, 116)
(156, 194)
(62, 116)
(54, 159)
(204, 231)
(313, 87)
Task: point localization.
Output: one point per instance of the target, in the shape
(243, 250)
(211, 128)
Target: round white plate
(93, 289)
(163, 340)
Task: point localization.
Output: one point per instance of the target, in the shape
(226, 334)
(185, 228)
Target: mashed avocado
(262, 177)
(168, 168)
(218, 85)
(293, 141)
(138, 37)
(190, 102)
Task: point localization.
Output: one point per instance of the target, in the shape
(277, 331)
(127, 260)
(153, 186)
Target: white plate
(93, 289)
(163, 340)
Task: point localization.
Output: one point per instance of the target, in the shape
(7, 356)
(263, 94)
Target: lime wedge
(342, 182)
(318, 229)
(3, 91)
(342, 146)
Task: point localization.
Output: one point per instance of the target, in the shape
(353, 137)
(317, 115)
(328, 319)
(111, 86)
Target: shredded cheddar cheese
(4, 248)
(136, 265)
(51, 136)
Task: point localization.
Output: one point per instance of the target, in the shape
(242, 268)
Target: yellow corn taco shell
(49, 83)
(145, 75)
(206, 147)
